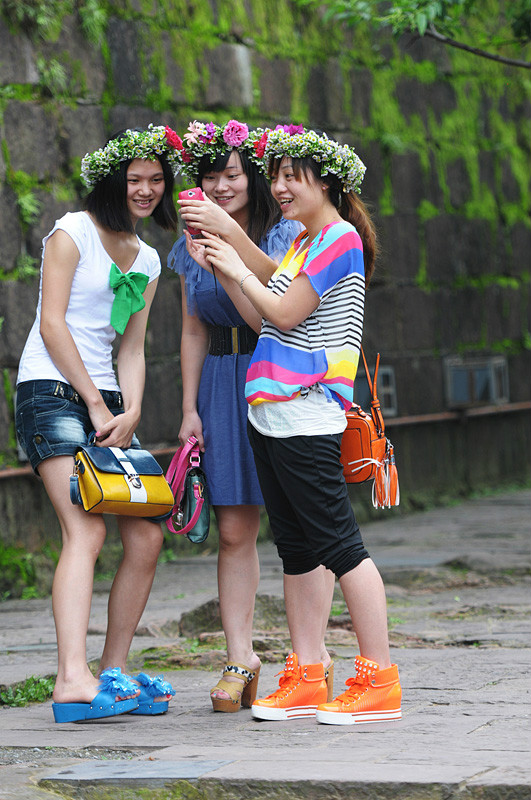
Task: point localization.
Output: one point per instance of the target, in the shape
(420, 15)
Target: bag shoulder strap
(376, 411)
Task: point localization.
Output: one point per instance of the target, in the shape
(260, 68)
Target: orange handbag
(366, 452)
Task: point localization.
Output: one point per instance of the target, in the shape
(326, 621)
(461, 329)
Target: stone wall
(445, 137)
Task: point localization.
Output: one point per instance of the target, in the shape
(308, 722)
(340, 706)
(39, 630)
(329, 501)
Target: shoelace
(289, 677)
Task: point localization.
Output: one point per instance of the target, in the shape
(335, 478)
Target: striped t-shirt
(325, 347)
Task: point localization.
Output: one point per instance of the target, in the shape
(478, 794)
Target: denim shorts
(51, 419)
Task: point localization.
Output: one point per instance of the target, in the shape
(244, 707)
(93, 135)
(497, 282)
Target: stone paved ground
(458, 582)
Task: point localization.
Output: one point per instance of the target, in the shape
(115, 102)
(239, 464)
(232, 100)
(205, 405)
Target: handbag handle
(176, 473)
(195, 516)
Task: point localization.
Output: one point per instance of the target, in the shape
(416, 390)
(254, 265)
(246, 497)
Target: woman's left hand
(118, 432)
(223, 256)
(197, 251)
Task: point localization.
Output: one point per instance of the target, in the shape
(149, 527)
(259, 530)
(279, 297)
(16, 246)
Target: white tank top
(89, 307)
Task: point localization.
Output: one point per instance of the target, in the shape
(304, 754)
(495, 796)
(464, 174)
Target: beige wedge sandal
(242, 692)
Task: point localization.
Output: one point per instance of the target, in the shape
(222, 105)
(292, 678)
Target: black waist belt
(225, 341)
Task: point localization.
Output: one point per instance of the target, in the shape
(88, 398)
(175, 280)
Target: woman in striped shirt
(299, 384)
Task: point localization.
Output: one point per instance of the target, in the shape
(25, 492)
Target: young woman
(299, 384)
(97, 278)
(216, 349)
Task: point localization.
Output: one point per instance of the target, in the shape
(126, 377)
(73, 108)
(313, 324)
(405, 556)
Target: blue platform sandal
(112, 683)
(150, 688)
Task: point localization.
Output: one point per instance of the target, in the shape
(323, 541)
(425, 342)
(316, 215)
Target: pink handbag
(191, 513)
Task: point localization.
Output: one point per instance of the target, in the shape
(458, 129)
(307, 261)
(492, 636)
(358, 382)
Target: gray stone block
(432, 186)
(174, 73)
(373, 182)
(458, 181)
(520, 245)
(519, 372)
(82, 129)
(81, 60)
(457, 247)
(17, 58)
(165, 318)
(10, 230)
(124, 39)
(39, 154)
(51, 210)
(125, 116)
(381, 330)
(487, 169)
(415, 98)
(399, 243)
(18, 302)
(510, 187)
(230, 80)
(161, 408)
(419, 385)
(417, 311)
(360, 97)
(503, 314)
(326, 97)
(408, 181)
(275, 86)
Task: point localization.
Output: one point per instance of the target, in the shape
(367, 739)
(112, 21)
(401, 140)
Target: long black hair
(264, 211)
(107, 201)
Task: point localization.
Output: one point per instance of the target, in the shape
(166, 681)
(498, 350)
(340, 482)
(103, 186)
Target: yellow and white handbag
(108, 480)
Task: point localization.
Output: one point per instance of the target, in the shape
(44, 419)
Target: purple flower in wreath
(291, 130)
(235, 133)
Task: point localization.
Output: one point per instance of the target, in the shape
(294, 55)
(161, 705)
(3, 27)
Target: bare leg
(364, 593)
(308, 599)
(83, 536)
(238, 576)
(141, 540)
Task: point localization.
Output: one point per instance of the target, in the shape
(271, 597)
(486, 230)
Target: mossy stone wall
(446, 138)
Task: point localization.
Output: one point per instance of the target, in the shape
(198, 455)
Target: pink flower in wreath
(235, 133)
(290, 129)
(195, 130)
(173, 139)
(186, 157)
(209, 133)
(260, 145)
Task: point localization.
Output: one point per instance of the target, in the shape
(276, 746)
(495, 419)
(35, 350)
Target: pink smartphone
(192, 194)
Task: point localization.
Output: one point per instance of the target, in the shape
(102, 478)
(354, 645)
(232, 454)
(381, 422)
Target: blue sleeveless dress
(228, 460)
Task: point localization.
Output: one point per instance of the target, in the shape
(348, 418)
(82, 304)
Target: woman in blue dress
(216, 347)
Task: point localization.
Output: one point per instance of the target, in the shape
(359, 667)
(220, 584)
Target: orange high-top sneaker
(374, 695)
(301, 689)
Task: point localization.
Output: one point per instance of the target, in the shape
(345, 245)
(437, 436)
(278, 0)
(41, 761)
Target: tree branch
(512, 62)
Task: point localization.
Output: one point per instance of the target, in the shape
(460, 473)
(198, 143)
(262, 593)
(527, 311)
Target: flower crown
(209, 139)
(339, 159)
(155, 141)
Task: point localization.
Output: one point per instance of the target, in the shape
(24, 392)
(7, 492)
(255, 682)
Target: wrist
(244, 278)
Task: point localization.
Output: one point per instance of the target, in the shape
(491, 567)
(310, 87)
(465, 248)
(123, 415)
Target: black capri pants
(307, 502)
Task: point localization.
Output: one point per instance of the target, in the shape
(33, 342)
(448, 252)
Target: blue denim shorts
(51, 419)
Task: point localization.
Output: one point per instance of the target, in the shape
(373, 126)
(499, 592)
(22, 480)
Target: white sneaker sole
(343, 718)
(263, 712)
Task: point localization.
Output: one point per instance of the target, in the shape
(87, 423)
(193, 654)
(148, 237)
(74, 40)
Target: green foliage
(93, 20)
(488, 35)
(53, 77)
(39, 18)
(17, 570)
(32, 690)
(29, 206)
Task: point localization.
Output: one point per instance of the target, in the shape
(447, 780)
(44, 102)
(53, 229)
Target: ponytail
(353, 209)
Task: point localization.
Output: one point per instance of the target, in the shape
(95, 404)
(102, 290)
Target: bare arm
(194, 347)
(131, 375)
(207, 216)
(285, 311)
(61, 258)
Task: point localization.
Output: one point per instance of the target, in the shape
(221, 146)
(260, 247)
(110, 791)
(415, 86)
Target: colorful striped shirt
(325, 347)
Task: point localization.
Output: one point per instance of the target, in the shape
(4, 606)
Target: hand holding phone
(192, 194)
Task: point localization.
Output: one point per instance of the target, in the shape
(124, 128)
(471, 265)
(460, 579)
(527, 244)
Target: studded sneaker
(301, 689)
(374, 695)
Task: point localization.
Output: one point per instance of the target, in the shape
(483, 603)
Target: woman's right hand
(192, 426)
(207, 216)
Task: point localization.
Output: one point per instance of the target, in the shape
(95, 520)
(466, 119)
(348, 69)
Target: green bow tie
(128, 290)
